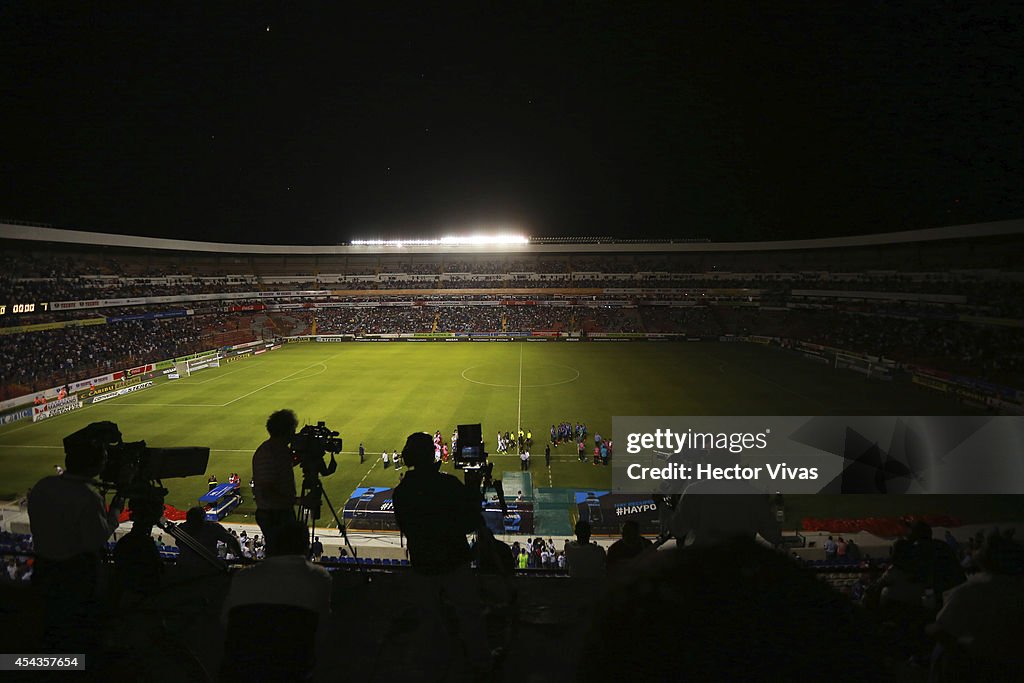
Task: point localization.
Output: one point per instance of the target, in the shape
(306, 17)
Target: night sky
(241, 121)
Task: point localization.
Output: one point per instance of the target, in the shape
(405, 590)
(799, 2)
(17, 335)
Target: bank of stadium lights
(451, 241)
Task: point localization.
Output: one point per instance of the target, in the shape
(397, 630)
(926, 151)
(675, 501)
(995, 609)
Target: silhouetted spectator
(910, 592)
(316, 549)
(585, 560)
(951, 541)
(831, 549)
(979, 628)
(629, 546)
(138, 569)
(435, 511)
(207, 534)
(921, 564)
(273, 610)
(706, 515)
(727, 612)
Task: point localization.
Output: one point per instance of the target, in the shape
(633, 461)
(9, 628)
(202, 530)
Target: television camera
(133, 469)
(472, 459)
(309, 446)
(470, 454)
(136, 471)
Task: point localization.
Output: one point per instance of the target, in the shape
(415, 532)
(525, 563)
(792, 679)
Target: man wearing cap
(435, 511)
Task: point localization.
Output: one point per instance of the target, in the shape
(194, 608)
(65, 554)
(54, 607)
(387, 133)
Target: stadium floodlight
(448, 241)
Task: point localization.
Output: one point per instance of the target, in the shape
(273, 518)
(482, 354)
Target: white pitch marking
(210, 379)
(323, 369)
(169, 405)
(312, 365)
(375, 461)
(528, 386)
(519, 411)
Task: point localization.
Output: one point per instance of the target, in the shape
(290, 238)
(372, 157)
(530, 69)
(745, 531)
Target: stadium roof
(35, 233)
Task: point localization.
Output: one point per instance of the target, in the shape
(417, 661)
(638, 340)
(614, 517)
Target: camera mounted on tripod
(136, 472)
(310, 445)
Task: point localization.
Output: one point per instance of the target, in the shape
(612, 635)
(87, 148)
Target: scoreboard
(29, 307)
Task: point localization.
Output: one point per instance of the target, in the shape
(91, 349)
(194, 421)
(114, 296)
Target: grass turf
(378, 393)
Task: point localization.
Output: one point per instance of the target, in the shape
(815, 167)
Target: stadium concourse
(186, 343)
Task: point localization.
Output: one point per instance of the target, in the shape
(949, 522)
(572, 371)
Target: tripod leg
(341, 527)
(305, 515)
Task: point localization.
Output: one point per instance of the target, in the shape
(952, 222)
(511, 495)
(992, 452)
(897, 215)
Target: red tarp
(170, 512)
(889, 527)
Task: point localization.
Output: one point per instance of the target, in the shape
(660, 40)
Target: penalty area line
(312, 365)
(186, 383)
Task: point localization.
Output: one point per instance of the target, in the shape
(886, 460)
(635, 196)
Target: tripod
(312, 493)
(156, 491)
(186, 539)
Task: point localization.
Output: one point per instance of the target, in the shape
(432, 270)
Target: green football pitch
(376, 394)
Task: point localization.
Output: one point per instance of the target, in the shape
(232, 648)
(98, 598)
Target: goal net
(185, 368)
(872, 368)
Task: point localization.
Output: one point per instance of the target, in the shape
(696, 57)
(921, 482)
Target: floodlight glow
(485, 239)
(448, 241)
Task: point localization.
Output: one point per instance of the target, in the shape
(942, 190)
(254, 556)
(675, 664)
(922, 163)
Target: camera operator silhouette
(70, 527)
(272, 473)
(436, 511)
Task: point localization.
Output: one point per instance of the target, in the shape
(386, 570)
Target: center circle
(503, 377)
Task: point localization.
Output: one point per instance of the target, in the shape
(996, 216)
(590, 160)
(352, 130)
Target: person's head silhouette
(419, 451)
(293, 540)
(195, 517)
(630, 530)
(145, 513)
(583, 531)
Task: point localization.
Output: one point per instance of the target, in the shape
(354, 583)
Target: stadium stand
(946, 299)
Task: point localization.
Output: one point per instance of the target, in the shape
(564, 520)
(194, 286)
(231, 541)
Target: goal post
(185, 368)
(871, 367)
